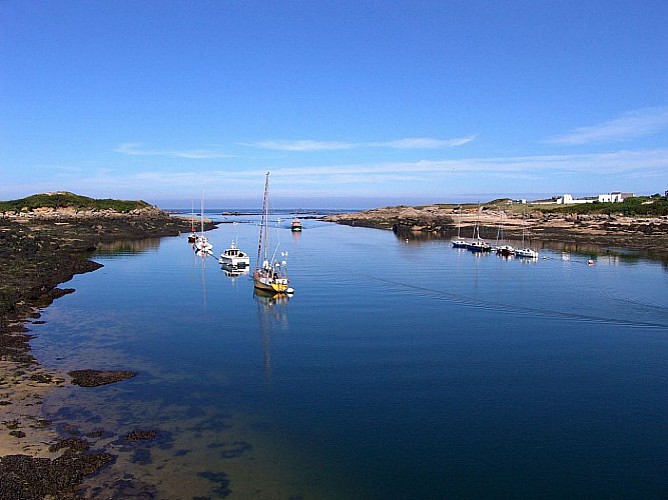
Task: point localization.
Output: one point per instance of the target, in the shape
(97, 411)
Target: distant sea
(400, 368)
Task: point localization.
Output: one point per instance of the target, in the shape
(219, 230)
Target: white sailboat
(477, 244)
(202, 244)
(193, 235)
(501, 248)
(459, 242)
(526, 252)
(269, 275)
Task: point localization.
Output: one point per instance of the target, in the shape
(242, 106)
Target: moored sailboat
(526, 252)
(269, 275)
(459, 242)
(477, 244)
(201, 243)
(503, 249)
(193, 234)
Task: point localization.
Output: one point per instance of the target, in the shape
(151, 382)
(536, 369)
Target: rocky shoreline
(646, 235)
(39, 250)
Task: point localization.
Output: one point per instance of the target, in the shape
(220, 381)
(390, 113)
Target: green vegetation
(69, 200)
(644, 206)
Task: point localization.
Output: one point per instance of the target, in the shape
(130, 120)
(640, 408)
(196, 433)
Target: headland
(606, 225)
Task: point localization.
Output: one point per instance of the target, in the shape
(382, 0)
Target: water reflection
(233, 272)
(587, 250)
(272, 312)
(202, 256)
(125, 247)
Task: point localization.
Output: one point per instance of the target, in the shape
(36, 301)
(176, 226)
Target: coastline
(646, 235)
(41, 250)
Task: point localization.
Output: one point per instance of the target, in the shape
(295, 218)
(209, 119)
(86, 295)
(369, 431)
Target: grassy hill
(638, 206)
(69, 200)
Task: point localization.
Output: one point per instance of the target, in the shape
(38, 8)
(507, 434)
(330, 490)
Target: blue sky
(348, 103)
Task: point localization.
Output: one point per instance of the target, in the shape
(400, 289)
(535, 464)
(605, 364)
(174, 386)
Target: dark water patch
(74, 414)
(211, 423)
(221, 481)
(126, 487)
(233, 449)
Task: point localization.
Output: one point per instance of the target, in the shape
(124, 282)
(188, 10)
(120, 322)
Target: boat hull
(265, 280)
(527, 253)
(272, 287)
(478, 247)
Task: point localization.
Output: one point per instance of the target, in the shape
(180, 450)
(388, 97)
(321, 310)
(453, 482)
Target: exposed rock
(95, 378)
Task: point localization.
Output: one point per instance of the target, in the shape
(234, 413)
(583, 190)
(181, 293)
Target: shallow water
(399, 369)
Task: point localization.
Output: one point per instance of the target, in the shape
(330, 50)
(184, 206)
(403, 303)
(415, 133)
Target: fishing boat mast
(261, 242)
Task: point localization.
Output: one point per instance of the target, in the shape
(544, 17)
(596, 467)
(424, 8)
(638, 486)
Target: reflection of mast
(271, 310)
(202, 256)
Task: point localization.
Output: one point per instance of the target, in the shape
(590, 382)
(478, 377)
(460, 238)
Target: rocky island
(45, 240)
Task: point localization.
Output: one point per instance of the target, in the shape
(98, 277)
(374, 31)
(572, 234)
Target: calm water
(399, 369)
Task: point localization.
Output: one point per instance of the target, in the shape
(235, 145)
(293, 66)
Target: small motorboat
(234, 257)
(296, 225)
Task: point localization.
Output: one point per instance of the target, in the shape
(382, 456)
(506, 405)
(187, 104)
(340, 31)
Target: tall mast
(202, 211)
(263, 224)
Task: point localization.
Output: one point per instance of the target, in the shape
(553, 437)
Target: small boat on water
(505, 250)
(296, 225)
(234, 257)
(269, 275)
(193, 234)
(459, 242)
(526, 252)
(201, 243)
(477, 244)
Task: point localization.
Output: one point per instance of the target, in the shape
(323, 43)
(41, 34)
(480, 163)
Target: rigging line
(519, 309)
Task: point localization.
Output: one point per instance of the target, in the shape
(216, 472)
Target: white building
(610, 198)
(568, 199)
(616, 197)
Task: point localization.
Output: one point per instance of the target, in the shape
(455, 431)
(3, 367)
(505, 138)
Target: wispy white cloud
(137, 149)
(560, 172)
(305, 145)
(407, 143)
(617, 162)
(424, 143)
(630, 125)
